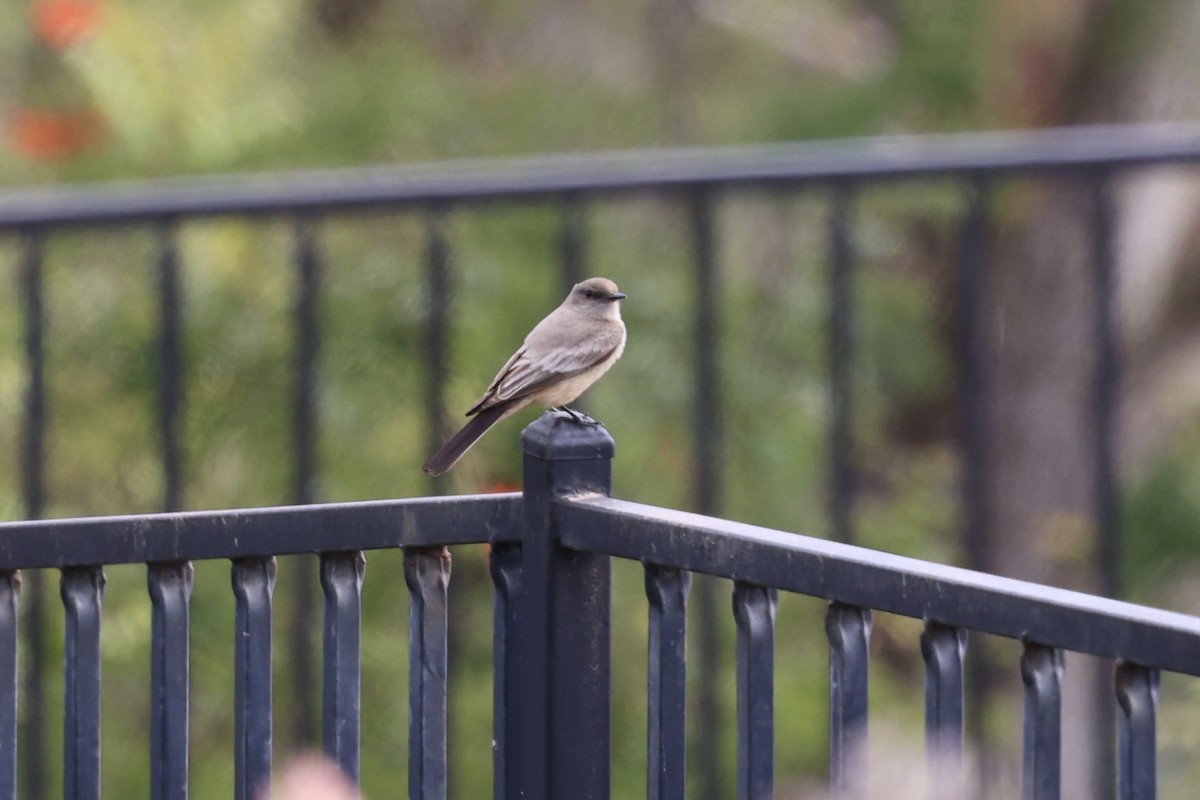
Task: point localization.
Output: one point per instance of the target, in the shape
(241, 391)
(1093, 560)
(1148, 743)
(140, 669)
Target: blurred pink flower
(312, 777)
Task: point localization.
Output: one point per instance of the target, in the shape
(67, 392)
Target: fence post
(565, 605)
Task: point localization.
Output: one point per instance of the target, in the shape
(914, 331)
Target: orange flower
(61, 23)
(52, 135)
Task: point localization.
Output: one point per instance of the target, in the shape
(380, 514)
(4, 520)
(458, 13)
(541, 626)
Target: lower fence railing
(551, 550)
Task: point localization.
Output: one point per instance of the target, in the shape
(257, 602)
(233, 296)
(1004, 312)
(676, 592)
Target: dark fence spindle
(1105, 400)
(754, 610)
(82, 592)
(667, 591)
(253, 586)
(973, 262)
(170, 369)
(707, 421)
(1137, 697)
(34, 762)
(10, 588)
(305, 353)
(841, 353)
(849, 632)
(33, 422)
(427, 573)
(436, 329)
(706, 463)
(306, 343)
(971, 290)
(943, 648)
(342, 580)
(170, 587)
(1106, 382)
(1041, 671)
(506, 567)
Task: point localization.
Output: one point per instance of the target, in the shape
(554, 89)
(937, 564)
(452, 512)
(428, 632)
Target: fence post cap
(557, 436)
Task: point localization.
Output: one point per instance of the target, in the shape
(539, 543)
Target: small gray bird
(562, 356)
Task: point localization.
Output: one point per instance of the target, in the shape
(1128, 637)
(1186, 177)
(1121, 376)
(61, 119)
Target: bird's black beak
(617, 296)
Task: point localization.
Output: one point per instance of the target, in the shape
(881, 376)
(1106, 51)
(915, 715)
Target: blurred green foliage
(217, 86)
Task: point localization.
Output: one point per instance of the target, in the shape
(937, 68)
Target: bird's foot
(578, 416)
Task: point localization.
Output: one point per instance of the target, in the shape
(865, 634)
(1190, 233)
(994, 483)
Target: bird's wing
(533, 366)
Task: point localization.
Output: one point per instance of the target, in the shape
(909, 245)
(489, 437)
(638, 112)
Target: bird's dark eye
(588, 293)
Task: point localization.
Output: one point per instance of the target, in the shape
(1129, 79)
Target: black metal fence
(978, 164)
(551, 549)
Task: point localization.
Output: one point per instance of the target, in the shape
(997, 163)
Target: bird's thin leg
(581, 417)
(570, 412)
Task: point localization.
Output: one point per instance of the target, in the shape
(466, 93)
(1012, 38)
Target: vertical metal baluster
(33, 428)
(1041, 671)
(306, 343)
(849, 632)
(33, 491)
(841, 354)
(1106, 381)
(427, 573)
(973, 265)
(707, 421)
(572, 242)
(706, 468)
(437, 323)
(943, 648)
(1106, 403)
(306, 347)
(667, 591)
(438, 291)
(170, 371)
(754, 610)
(972, 269)
(10, 589)
(170, 587)
(506, 567)
(1137, 697)
(82, 592)
(253, 586)
(342, 580)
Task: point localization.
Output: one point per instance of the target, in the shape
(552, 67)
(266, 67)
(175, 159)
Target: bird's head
(598, 297)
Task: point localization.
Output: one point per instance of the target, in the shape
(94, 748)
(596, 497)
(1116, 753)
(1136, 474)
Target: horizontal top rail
(530, 178)
(882, 581)
(372, 525)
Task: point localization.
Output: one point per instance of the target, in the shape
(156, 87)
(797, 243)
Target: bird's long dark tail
(461, 442)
